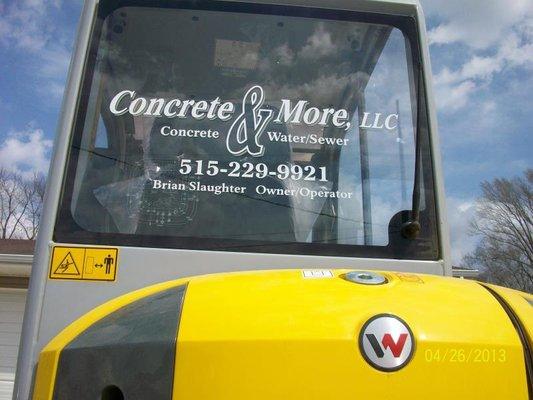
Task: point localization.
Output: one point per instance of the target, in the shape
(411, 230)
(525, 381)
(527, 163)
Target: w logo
(386, 342)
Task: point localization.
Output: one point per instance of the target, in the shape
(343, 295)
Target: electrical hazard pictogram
(84, 263)
(67, 266)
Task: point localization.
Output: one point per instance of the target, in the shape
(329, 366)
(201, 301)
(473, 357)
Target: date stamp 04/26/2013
(466, 355)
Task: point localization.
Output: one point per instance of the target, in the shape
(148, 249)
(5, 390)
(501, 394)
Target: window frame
(66, 229)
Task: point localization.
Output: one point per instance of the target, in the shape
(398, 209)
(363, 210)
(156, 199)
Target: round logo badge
(386, 342)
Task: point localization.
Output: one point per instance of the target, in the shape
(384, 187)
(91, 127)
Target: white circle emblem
(386, 342)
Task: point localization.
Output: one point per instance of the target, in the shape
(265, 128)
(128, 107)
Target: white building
(15, 265)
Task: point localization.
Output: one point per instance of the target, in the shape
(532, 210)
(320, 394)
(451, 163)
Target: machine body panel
(71, 306)
(280, 334)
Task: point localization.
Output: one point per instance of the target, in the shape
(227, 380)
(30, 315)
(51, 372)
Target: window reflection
(333, 163)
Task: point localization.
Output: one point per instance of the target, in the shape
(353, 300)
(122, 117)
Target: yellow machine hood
(297, 335)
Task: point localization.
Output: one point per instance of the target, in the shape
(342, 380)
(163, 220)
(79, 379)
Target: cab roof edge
(401, 7)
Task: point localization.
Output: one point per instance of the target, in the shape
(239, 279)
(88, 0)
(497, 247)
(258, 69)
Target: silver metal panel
(52, 305)
(440, 196)
(37, 287)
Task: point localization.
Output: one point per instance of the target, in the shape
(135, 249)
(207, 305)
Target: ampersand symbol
(244, 133)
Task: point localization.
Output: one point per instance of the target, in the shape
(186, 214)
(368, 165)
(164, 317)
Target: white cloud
(56, 61)
(322, 90)
(460, 213)
(452, 97)
(24, 24)
(319, 44)
(516, 49)
(513, 52)
(26, 152)
(53, 68)
(476, 23)
(497, 35)
(30, 26)
(454, 88)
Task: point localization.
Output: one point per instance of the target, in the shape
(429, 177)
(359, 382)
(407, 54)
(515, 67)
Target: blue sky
(482, 57)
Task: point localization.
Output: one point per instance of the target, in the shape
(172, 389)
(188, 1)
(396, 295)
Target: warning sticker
(67, 266)
(409, 277)
(84, 263)
(317, 273)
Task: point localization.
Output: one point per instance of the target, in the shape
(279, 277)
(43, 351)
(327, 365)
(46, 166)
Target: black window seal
(526, 341)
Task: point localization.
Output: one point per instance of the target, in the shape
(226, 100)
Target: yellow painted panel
(278, 335)
(273, 335)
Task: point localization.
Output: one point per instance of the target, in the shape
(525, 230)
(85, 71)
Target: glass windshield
(236, 128)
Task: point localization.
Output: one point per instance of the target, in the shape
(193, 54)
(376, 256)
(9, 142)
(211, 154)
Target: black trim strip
(522, 334)
(128, 354)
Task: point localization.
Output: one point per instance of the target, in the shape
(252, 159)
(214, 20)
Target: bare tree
(33, 193)
(11, 209)
(21, 202)
(504, 223)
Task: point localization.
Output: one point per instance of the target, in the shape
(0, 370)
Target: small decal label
(84, 263)
(409, 277)
(317, 273)
(386, 342)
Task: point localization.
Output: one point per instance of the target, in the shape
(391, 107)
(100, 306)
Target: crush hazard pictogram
(67, 266)
(67, 263)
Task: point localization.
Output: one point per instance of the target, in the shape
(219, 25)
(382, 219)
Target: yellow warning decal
(84, 263)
